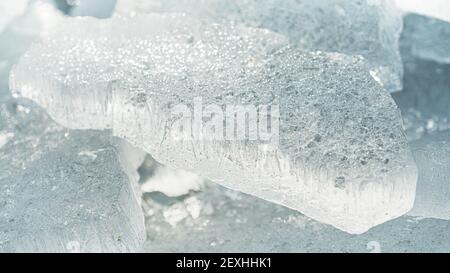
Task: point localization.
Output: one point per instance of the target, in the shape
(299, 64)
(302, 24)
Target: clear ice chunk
(429, 38)
(356, 27)
(432, 154)
(60, 190)
(63, 191)
(425, 100)
(339, 155)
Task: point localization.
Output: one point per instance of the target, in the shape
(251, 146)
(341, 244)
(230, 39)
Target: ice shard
(425, 100)
(334, 148)
(368, 28)
(432, 154)
(429, 38)
(61, 190)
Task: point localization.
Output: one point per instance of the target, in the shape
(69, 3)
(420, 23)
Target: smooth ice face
(429, 38)
(63, 191)
(432, 154)
(339, 156)
(425, 100)
(10, 10)
(433, 8)
(356, 27)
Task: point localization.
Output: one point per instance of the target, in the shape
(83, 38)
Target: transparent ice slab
(432, 154)
(429, 38)
(61, 190)
(425, 100)
(340, 156)
(367, 28)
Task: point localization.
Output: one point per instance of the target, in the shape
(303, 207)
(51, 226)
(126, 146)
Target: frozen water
(425, 100)
(432, 154)
(341, 157)
(429, 38)
(358, 27)
(433, 8)
(425, 108)
(10, 10)
(234, 222)
(61, 190)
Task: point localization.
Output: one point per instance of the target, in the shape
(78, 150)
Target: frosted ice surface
(357, 27)
(10, 10)
(63, 191)
(425, 100)
(432, 154)
(433, 8)
(429, 37)
(341, 157)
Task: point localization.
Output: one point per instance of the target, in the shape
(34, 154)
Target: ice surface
(425, 100)
(433, 8)
(61, 190)
(341, 157)
(432, 154)
(234, 222)
(356, 27)
(429, 37)
(10, 10)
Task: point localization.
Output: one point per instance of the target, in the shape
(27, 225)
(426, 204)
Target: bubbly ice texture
(433, 8)
(61, 190)
(429, 37)
(432, 154)
(341, 157)
(356, 27)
